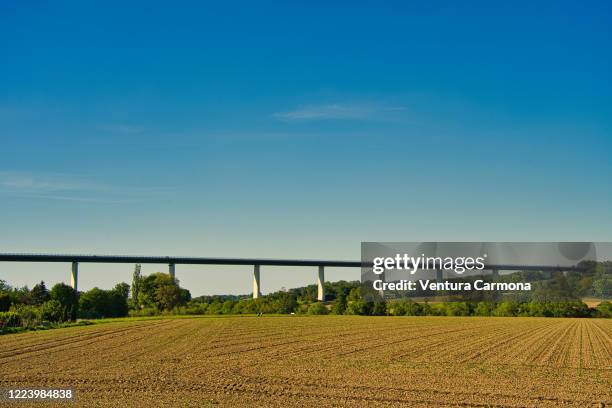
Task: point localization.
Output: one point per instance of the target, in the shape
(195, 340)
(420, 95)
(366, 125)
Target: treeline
(301, 300)
(159, 293)
(505, 308)
(43, 308)
(594, 281)
(39, 307)
(346, 298)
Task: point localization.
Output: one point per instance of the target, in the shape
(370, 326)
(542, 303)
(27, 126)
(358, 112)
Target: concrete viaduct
(257, 263)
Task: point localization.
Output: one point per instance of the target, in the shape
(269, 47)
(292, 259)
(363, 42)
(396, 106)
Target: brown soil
(320, 360)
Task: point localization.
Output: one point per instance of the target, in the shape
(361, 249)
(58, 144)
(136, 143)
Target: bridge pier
(439, 275)
(74, 276)
(495, 273)
(256, 282)
(321, 284)
(172, 270)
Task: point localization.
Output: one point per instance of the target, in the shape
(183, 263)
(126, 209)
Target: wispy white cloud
(68, 187)
(57, 197)
(338, 111)
(37, 183)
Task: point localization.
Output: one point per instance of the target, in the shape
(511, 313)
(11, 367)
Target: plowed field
(319, 361)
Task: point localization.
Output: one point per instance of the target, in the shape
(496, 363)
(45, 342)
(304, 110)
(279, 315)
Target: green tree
(214, 307)
(605, 309)
(413, 309)
(340, 304)
(602, 287)
(185, 296)
(167, 297)
(40, 294)
(148, 288)
(307, 294)
(354, 294)
(20, 296)
(123, 290)
(228, 306)
(136, 280)
(159, 290)
(5, 302)
(506, 308)
(379, 308)
(68, 299)
(4, 287)
(282, 302)
(484, 309)
(94, 304)
(457, 309)
(404, 307)
(98, 303)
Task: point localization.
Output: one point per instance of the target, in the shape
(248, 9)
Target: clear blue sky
(297, 130)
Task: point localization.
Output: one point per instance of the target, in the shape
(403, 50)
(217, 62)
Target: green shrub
(282, 302)
(248, 306)
(340, 304)
(605, 309)
(317, 308)
(227, 307)
(506, 309)
(484, 309)
(51, 311)
(196, 309)
(10, 319)
(145, 311)
(379, 308)
(302, 309)
(457, 309)
(5, 302)
(437, 309)
(397, 307)
(30, 315)
(360, 307)
(97, 303)
(413, 309)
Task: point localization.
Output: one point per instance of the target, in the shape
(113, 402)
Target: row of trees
(347, 298)
(39, 306)
(31, 308)
(483, 308)
(160, 293)
(298, 300)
